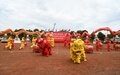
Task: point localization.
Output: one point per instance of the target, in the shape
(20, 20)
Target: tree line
(100, 35)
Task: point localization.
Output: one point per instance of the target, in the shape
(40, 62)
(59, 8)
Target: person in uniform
(108, 44)
(33, 42)
(51, 40)
(10, 43)
(22, 43)
(67, 40)
(97, 44)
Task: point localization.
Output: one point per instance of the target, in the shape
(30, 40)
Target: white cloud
(67, 14)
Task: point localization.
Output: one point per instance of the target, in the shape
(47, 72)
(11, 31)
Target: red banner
(59, 37)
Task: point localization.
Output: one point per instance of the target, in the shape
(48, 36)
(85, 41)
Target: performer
(87, 41)
(22, 43)
(114, 44)
(10, 43)
(25, 42)
(108, 44)
(101, 44)
(72, 39)
(67, 39)
(78, 52)
(51, 40)
(44, 46)
(72, 48)
(33, 42)
(73, 35)
(97, 44)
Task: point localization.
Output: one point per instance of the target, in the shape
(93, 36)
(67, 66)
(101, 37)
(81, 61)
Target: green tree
(101, 36)
(119, 35)
(22, 35)
(81, 31)
(16, 30)
(10, 34)
(31, 36)
(92, 37)
(110, 36)
(1, 35)
(36, 30)
(30, 30)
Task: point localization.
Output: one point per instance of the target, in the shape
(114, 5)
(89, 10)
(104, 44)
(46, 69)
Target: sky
(66, 14)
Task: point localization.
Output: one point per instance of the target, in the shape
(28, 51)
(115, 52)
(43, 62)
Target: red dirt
(25, 62)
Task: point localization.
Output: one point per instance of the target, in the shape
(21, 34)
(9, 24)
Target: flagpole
(54, 26)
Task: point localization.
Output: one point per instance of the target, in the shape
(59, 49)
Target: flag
(68, 30)
(49, 29)
(56, 30)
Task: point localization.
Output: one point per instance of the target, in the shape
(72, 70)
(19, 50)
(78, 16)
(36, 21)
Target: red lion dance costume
(43, 46)
(88, 46)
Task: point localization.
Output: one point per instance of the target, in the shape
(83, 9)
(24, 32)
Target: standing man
(97, 44)
(108, 44)
(67, 39)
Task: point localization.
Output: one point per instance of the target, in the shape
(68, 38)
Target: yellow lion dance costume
(51, 40)
(72, 47)
(78, 52)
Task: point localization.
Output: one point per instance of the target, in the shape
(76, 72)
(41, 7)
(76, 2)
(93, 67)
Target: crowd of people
(73, 40)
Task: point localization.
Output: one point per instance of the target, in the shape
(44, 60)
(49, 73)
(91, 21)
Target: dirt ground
(25, 62)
